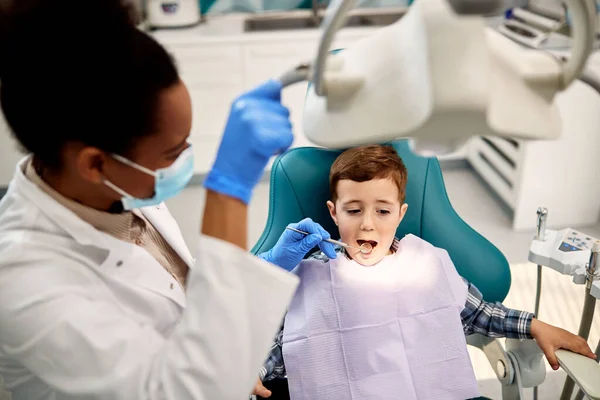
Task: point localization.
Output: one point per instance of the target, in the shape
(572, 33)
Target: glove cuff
(228, 186)
(266, 256)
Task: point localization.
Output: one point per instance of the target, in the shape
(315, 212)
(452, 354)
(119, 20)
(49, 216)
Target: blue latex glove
(258, 128)
(292, 246)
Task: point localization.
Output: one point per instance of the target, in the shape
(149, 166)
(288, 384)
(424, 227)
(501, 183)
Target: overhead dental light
(437, 76)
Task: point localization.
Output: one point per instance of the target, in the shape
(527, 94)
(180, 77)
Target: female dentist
(100, 298)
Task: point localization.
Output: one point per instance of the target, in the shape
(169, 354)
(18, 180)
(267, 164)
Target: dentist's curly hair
(365, 163)
(78, 71)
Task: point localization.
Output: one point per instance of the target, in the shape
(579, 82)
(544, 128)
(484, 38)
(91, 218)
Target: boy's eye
(352, 211)
(384, 211)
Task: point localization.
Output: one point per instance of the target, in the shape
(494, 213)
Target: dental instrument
(573, 253)
(541, 232)
(365, 248)
(437, 76)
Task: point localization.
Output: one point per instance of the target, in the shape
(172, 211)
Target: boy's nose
(367, 223)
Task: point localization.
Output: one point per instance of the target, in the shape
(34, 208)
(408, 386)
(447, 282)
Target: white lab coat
(86, 316)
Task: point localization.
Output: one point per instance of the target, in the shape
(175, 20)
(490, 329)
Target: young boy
(391, 322)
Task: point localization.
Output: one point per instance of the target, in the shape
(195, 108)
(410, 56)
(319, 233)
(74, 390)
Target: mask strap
(117, 189)
(133, 165)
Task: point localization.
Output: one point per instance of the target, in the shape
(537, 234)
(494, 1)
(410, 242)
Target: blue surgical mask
(168, 182)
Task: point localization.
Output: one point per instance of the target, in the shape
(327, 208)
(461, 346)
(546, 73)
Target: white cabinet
(216, 70)
(266, 61)
(213, 75)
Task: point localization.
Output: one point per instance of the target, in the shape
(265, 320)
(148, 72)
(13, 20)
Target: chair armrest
(584, 371)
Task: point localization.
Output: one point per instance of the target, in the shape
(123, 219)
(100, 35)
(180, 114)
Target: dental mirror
(365, 248)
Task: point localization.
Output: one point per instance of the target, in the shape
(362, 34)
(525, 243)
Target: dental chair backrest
(300, 189)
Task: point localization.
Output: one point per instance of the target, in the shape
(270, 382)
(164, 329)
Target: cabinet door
(214, 77)
(268, 61)
(271, 60)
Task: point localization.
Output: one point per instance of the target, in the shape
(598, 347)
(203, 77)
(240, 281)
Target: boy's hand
(260, 390)
(550, 338)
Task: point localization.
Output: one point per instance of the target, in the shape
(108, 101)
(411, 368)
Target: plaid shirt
(489, 319)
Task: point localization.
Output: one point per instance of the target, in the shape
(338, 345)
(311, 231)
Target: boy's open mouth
(370, 244)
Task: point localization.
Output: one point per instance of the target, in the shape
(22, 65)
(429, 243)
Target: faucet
(316, 6)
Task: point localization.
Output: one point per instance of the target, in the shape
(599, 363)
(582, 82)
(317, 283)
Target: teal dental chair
(300, 189)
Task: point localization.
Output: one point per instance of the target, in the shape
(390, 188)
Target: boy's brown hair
(365, 163)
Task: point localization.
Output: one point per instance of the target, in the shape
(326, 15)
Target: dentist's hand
(258, 128)
(292, 246)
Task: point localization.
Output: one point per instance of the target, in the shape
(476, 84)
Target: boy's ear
(403, 209)
(332, 211)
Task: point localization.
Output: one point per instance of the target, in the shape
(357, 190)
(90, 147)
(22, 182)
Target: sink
(308, 20)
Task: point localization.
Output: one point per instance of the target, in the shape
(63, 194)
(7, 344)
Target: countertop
(230, 27)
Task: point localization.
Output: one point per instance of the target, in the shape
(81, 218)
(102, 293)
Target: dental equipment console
(569, 252)
(576, 254)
